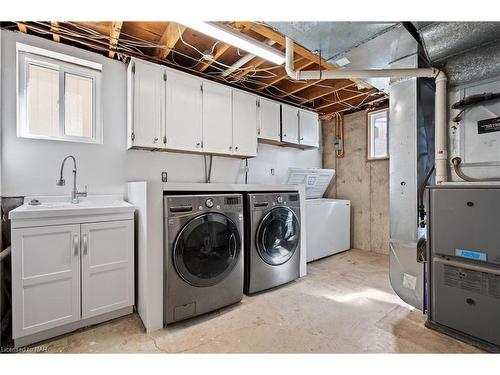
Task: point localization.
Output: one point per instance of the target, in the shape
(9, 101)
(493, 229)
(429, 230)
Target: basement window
(58, 96)
(378, 135)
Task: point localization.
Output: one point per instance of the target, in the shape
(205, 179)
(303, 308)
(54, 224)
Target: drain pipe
(441, 95)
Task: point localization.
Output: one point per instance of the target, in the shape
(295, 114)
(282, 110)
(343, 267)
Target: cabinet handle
(198, 144)
(230, 148)
(85, 244)
(284, 135)
(76, 244)
(155, 139)
(236, 148)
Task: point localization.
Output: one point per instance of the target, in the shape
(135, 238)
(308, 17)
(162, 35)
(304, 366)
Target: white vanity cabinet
(45, 278)
(70, 270)
(107, 264)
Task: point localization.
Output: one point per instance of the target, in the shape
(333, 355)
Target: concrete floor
(344, 305)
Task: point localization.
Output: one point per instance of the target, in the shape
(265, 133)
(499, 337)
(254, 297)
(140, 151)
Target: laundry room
(174, 184)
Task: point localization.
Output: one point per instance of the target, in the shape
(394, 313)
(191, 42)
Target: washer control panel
(209, 202)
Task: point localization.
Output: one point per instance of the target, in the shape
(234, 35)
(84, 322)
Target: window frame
(64, 64)
(369, 140)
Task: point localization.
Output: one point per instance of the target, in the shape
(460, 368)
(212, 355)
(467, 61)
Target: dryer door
(206, 249)
(278, 236)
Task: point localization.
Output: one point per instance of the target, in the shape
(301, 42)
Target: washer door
(278, 236)
(206, 249)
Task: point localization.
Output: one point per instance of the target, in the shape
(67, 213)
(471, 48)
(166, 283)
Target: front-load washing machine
(203, 254)
(272, 251)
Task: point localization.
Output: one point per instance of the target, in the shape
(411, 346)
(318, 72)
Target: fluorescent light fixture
(228, 35)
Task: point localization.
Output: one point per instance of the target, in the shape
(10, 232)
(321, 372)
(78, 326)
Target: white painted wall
(31, 167)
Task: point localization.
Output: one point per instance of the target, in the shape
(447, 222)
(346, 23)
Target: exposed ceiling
(175, 45)
(331, 38)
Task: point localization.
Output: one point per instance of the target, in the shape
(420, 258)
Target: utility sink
(37, 207)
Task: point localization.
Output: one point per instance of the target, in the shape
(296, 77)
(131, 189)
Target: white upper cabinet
(146, 104)
(309, 128)
(184, 112)
(244, 123)
(289, 124)
(269, 126)
(217, 118)
(176, 111)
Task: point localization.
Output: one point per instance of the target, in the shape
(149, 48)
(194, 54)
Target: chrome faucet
(75, 194)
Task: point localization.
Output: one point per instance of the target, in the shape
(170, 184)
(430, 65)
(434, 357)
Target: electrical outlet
(273, 172)
(164, 177)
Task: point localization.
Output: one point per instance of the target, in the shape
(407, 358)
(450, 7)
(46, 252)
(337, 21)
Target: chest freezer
(328, 221)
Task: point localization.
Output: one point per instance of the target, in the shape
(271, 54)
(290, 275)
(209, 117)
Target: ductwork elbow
(289, 65)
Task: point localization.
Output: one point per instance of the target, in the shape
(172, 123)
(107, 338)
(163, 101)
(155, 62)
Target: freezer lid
(316, 180)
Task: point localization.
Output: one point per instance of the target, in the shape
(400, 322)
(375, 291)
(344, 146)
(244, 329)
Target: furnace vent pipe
(441, 95)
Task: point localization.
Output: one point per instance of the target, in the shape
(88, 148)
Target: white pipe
(440, 141)
(440, 104)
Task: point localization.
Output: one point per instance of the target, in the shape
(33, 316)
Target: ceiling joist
(173, 32)
(55, 30)
(114, 35)
(154, 41)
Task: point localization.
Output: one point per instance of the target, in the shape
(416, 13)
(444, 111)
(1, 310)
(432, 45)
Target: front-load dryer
(272, 252)
(203, 254)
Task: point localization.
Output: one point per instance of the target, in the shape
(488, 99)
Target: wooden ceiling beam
(169, 39)
(280, 39)
(297, 86)
(250, 68)
(114, 34)
(344, 108)
(320, 92)
(55, 31)
(22, 27)
(300, 64)
(341, 101)
(218, 54)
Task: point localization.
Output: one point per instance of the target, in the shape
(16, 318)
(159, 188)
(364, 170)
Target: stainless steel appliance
(203, 254)
(464, 256)
(272, 250)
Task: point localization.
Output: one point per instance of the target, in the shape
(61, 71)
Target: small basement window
(378, 145)
(58, 96)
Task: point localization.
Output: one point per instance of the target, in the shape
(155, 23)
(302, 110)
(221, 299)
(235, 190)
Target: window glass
(78, 106)
(43, 101)
(58, 96)
(378, 135)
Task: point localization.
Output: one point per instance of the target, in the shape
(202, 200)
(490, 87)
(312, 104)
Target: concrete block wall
(365, 183)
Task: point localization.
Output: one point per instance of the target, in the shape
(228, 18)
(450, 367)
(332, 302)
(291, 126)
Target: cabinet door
(217, 118)
(148, 104)
(289, 124)
(45, 278)
(309, 128)
(269, 120)
(107, 267)
(244, 123)
(184, 105)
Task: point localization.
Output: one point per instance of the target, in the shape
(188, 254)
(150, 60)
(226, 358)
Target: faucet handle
(82, 193)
